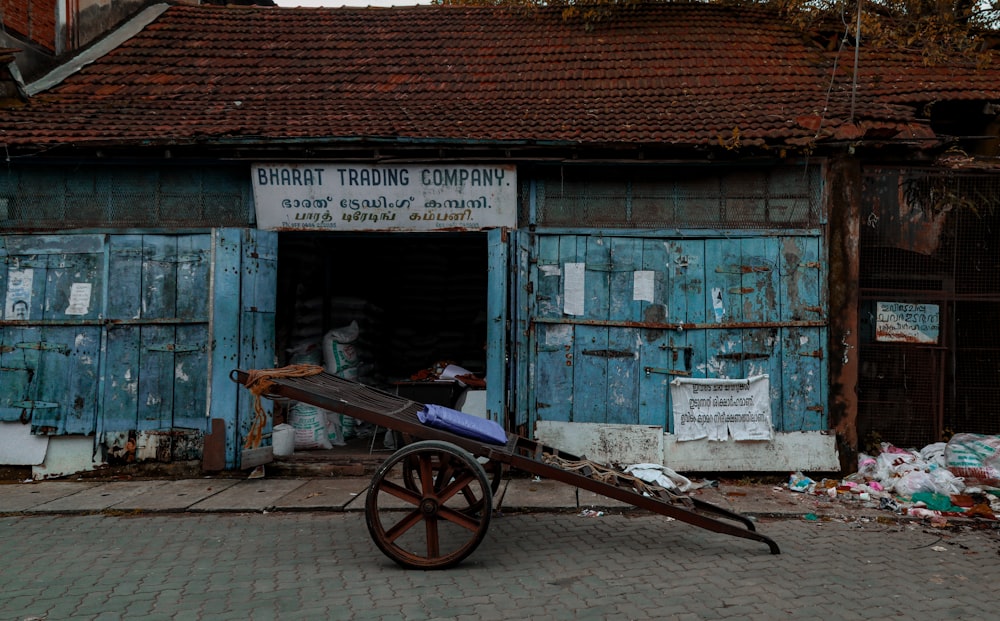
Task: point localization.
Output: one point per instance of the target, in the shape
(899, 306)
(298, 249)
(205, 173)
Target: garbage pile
(958, 478)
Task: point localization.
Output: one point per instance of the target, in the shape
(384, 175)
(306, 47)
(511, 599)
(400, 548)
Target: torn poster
(718, 408)
(79, 298)
(19, 288)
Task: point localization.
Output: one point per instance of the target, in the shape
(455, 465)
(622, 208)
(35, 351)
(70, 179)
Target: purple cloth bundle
(465, 425)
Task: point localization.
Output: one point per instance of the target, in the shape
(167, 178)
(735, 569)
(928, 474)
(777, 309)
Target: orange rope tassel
(259, 382)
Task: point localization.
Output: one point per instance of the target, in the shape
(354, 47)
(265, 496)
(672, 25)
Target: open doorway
(407, 304)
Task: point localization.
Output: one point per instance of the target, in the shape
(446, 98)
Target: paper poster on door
(643, 285)
(17, 304)
(79, 298)
(718, 305)
(574, 277)
(717, 409)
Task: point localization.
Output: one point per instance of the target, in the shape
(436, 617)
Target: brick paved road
(537, 566)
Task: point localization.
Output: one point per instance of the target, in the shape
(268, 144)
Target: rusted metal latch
(650, 370)
(43, 346)
(171, 347)
(609, 353)
(742, 269)
(28, 408)
(744, 355)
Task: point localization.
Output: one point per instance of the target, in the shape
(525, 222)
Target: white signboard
(904, 322)
(361, 197)
(718, 408)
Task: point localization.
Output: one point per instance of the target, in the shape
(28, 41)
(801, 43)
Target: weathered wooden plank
(226, 402)
(159, 276)
(156, 381)
(258, 266)
(801, 294)
(590, 373)
(496, 322)
(53, 244)
(190, 377)
(553, 385)
(653, 387)
(622, 369)
(548, 278)
(125, 277)
(68, 376)
(522, 348)
(193, 271)
(724, 346)
(758, 292)
(121, 378)
(805, 384)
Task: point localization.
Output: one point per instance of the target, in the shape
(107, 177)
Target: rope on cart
(259, 382)
(611, 476)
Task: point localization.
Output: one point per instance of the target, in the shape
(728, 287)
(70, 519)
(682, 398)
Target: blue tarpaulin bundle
(465, 425)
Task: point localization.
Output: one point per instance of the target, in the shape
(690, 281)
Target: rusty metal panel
(930, 305)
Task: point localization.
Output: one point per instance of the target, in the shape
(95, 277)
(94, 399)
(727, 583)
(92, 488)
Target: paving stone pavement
(323, 565)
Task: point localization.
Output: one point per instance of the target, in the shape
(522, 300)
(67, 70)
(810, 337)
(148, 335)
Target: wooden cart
(429, 504)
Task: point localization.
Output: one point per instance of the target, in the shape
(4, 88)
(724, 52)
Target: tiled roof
(685, 74)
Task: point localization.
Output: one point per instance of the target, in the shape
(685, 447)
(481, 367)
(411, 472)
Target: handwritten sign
(719, 408)
(903, 322)
(357, 197)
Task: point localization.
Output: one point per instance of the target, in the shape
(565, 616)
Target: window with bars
(679, 197)
(56, 198)
(931, 237)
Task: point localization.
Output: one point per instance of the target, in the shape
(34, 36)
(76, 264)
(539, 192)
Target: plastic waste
(660, 475)
(799, 482)
(934, 501)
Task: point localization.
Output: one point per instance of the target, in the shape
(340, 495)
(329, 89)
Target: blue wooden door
(243, 305)
(115, 336)
(158, 342)
(614, 319)
(50, 346)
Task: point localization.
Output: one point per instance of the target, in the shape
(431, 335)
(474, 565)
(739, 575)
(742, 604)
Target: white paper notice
(79, 298)
(643, 285)
(574, 276)
(19, 284)
(719, 408)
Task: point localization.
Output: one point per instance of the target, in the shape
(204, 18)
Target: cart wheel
(451, 499)
(494, 473)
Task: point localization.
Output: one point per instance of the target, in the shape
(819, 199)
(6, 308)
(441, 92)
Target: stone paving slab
(325, 494)
(174, 495)
(536, 494)
(250, 495)
(590, 500)
(97, 497)
(17, 497)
